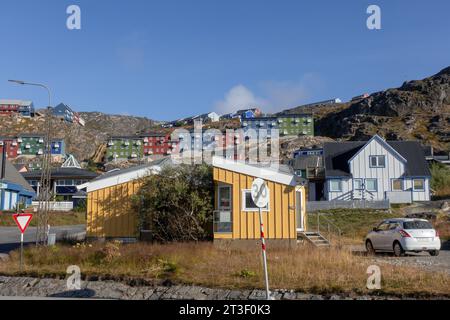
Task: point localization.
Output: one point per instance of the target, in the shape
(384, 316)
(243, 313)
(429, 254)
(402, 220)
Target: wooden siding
(279, 223)
(360, 169)
(109, 213)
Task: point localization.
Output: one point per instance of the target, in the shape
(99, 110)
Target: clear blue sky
(170, 59)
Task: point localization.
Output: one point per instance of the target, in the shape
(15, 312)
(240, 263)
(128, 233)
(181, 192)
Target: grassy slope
(55, 219)
(354, 224)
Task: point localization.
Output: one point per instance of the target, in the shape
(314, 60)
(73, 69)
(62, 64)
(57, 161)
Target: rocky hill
(83, 142)
(418, 110)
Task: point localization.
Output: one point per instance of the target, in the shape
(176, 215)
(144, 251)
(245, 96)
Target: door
(223, 216)
(389, 236)
(14, 197)
(312, 191)
(358, 188)
(385, 236)
(378, 236)
(299, 209)
(7, 202)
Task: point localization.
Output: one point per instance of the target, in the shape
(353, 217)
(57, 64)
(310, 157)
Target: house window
(224, 196)
(377, 161)
(222, 222)
(371, 185)
(335, 185)
(397, 184)
(418, 184)
(248, 204)
(358, 184)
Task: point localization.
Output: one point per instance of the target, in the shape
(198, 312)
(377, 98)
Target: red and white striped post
(263, 248)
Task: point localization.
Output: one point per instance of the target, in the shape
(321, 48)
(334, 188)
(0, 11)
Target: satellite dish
(260, 193)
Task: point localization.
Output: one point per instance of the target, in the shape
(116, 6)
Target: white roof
(23, 103)
(116, 177)
(71, 162)
(266, 173)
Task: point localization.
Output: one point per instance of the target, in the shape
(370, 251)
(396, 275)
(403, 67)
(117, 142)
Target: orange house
(237, 218)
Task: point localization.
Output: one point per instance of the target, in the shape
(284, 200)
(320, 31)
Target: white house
(376, 170)
(212, 116)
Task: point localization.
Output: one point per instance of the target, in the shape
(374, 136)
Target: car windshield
(417, 225)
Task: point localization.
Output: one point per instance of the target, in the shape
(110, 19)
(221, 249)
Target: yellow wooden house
(237, 218)
(109, 211)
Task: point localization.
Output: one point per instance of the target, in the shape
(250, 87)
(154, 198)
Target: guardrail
(324, 226)
(312, 206)
(56, 205)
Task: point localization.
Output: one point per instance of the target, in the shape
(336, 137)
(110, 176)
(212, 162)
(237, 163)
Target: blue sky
(170, 59)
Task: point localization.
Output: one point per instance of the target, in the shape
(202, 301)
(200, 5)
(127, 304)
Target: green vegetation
(440, 180)
(55, 219)
(177, 203)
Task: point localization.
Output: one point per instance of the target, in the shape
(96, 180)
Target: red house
(156, 144)
(11, 145)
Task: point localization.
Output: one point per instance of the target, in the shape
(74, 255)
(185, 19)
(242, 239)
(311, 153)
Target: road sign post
(22, 221)
(260, 197)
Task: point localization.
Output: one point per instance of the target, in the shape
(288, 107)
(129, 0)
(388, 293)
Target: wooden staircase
(315, 238)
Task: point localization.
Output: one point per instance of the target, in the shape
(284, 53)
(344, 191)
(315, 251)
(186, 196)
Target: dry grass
(303, 268)
(442, 224)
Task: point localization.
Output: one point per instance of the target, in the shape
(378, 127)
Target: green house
(124, 148)
(31, 145)
(296, 124)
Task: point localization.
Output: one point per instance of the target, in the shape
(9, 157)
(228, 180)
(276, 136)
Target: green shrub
(246, 274)
(440, 179)
(176, 204)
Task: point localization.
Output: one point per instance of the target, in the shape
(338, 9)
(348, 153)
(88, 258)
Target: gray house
(376, 170)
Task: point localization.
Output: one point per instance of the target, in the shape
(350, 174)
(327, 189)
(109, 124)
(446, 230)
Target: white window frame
(378, 164)
(244, 209)
(340, 185)
(376, 184)
(414, 187)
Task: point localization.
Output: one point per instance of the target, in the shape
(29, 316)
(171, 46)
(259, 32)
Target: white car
(402, 235)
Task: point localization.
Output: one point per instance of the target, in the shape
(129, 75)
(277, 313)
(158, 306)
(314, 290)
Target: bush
(177, 203)
(440, 179)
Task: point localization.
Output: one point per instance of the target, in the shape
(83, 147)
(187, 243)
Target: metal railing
(326, 228)
(57, 206)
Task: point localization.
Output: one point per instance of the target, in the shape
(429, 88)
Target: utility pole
(45, 191)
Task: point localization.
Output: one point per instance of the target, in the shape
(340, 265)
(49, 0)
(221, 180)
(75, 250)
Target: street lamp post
(24, 83)
(45, 187)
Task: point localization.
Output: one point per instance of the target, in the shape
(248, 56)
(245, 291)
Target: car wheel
(434, 253)
(398, 250)
(369, 248)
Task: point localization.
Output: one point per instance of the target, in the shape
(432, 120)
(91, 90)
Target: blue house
(64, 112)
(58, 147)
(14, 189)
(248, 113)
